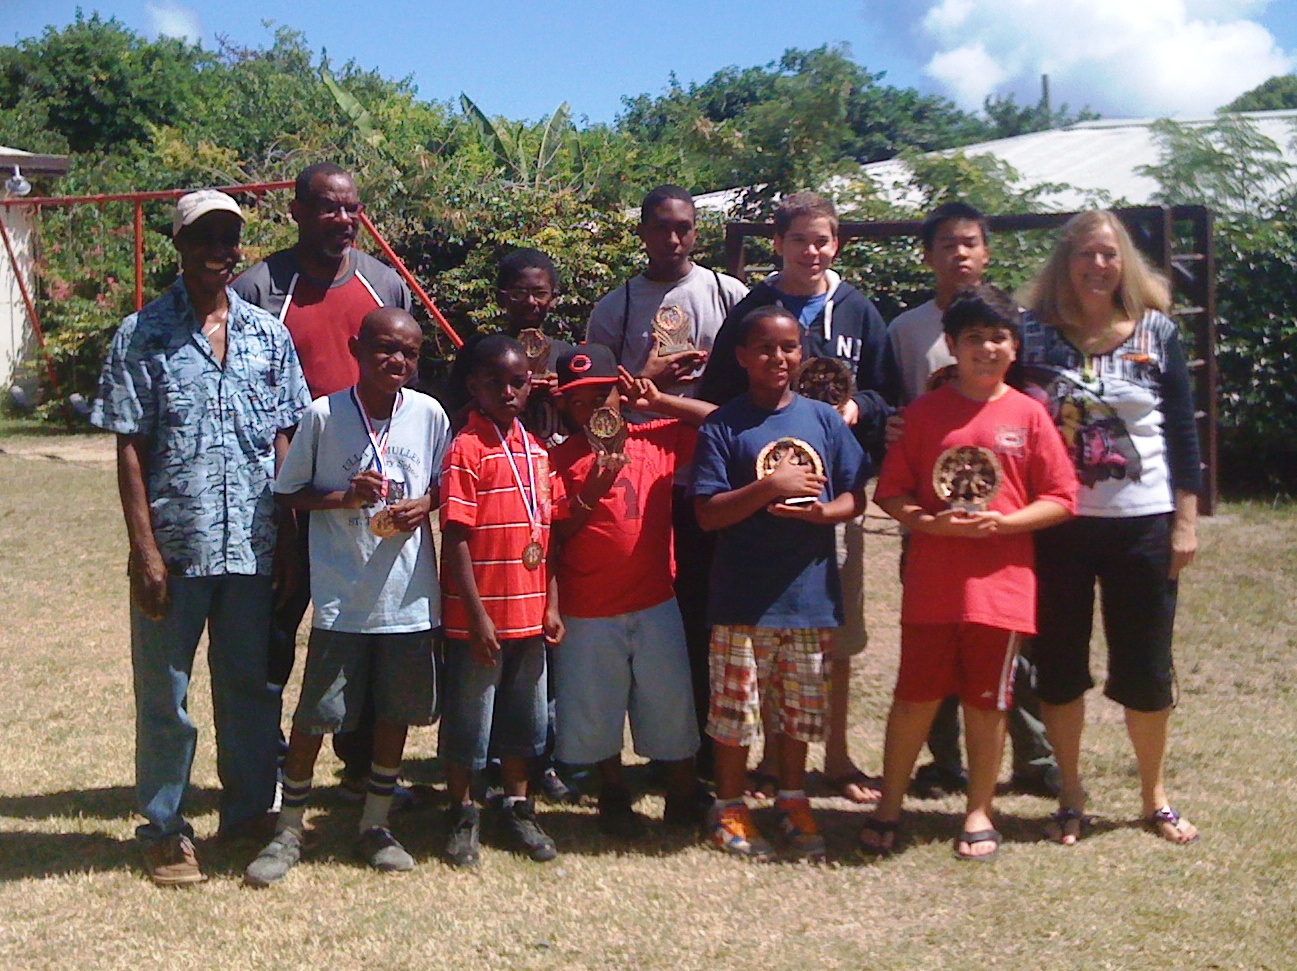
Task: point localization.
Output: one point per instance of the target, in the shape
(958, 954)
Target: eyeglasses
(207, 239)
(335, 210)
(539, 294)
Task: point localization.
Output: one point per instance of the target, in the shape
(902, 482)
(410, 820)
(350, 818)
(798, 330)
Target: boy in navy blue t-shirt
(773, 473)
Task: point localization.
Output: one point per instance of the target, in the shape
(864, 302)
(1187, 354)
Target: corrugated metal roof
(1092, 156)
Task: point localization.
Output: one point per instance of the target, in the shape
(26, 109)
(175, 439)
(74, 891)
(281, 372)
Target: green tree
(1228, 165)
(1276, 93)
(1007, 118)
(98, 84)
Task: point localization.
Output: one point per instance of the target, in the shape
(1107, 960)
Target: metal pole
(410, 280)
(139, 256)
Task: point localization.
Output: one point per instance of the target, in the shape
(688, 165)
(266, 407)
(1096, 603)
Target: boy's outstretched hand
(639, 393)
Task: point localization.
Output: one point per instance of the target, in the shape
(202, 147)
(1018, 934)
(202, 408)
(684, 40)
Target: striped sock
(293, 806)
(787, 795)
(378, 799)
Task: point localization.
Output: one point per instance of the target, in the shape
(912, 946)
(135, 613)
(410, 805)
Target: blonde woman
(1101, 353)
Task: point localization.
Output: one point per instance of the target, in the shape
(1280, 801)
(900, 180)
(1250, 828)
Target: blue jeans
(236, 611)
(500, 709)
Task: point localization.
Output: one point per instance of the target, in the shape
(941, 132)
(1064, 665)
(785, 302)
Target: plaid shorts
(781, 670)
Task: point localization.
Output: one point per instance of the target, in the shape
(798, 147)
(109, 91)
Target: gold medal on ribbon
(798, 452)
(533, 555)
(537, 348)
(826, 379)
(382, 525)
(672, 331)
(967, 477)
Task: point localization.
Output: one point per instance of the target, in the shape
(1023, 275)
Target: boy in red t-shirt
(500, 603)
(970, 584)
(624, 650)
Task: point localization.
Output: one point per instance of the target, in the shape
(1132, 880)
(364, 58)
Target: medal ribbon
(379, 441)
(532, 504)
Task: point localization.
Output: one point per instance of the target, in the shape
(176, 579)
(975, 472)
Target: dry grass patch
(71, 893)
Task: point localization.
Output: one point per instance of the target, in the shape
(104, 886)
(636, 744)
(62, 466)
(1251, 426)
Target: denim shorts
(341, 667)
(636, 664)
(499, 709)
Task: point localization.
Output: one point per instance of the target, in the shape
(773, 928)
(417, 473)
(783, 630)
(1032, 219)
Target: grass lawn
(72, 893)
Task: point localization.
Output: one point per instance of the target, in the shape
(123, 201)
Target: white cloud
(1120, 57)
(173, 20)
(970, 70)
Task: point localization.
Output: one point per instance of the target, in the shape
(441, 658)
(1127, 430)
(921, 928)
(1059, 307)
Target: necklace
(214, 326)
(533, 554)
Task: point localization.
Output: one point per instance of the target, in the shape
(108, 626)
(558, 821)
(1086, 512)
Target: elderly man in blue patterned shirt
(202, 390)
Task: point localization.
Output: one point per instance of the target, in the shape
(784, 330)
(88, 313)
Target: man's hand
(148, 579)
(673, 368)
(365, 489)
(790, 480)
(287, 568)
(409, 514)
(850, 412)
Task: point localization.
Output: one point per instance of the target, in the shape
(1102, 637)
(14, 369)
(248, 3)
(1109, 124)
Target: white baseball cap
(194, 205)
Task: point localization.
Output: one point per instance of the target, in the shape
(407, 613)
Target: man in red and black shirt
(321, 289)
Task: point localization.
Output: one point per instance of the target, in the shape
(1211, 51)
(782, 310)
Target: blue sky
(1124, 58)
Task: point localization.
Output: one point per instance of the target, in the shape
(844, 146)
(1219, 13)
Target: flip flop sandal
(980, 836)
(880, 828)
(1056, 828)
(1166, 816)
(839, 784)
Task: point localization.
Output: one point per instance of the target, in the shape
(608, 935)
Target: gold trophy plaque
(537, 348)
(967, 477)
(826, 379)
(606, 431)
(672, 331)
(799, 453)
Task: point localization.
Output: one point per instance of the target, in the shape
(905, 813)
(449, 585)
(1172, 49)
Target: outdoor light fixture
(16, 185)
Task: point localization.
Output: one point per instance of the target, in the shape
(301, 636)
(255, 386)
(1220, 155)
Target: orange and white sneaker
(732, 831)
(797, 824)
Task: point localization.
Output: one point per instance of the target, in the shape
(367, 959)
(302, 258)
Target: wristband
(581, 503)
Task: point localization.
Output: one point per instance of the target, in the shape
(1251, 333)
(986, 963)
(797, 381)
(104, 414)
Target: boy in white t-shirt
(365, 462)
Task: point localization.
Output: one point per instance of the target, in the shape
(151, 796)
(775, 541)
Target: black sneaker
(462, 847)
(518, 828)
(688, 812)
(555, 790)
(1038, 780)
(618, 818)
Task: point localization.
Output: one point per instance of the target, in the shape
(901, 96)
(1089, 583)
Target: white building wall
(16, 335)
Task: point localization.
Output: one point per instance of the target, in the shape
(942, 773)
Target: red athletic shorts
(972, 661)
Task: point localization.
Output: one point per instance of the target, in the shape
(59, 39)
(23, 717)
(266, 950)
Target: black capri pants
(1129, 558)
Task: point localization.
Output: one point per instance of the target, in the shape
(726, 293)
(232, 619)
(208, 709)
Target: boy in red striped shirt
(500, 599)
